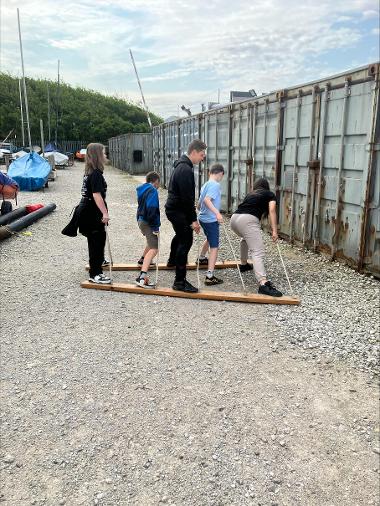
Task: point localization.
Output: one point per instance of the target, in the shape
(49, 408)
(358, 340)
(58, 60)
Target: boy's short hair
(196, 145)
(152, 177)
(216, 168)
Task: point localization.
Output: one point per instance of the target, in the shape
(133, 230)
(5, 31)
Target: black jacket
(181, 191)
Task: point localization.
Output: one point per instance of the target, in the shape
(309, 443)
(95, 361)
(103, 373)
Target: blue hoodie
(148, 209)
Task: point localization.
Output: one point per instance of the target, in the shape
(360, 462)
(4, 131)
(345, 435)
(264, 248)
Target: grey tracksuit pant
(248, 228)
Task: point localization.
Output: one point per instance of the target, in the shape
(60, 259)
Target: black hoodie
(181, 191)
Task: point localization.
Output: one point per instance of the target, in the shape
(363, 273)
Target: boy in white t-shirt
(209, 218)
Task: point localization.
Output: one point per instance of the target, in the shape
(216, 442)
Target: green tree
(82, 114)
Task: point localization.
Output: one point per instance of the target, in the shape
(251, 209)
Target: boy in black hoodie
(148, 219)
(180, 211)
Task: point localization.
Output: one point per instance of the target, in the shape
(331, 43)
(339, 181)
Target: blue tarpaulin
(51, 146)
(31, 171)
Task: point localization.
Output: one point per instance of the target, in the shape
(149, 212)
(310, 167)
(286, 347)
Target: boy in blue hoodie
(148, 219)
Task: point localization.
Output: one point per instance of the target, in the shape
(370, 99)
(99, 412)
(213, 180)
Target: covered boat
(19, 154)
(31, 171)
(59, 158)
(51, 146)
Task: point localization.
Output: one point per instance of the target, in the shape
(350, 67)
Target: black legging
(96, 241)
(181, 243)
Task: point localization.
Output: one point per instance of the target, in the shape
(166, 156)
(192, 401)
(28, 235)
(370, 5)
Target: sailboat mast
(22, 114)
(48, 110)
(42, 137)
(23, 82)
(141, 91)
(57, 111)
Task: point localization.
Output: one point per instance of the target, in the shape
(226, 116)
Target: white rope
(235, 258)
(109, 252)
(157, 259)
(286, 273)
(199, 252)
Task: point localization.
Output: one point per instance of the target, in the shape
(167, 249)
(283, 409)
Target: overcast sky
(186, 49)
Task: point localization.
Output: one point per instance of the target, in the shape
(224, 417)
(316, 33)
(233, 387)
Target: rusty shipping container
(131, 152)
(318, 145)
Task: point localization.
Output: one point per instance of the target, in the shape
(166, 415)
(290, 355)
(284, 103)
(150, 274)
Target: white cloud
(370, 14)
(266, 45)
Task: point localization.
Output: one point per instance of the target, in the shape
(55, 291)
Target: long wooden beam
(254, 298)
(227, 264)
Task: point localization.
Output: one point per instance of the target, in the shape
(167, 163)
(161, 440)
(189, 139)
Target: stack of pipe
(9, 227)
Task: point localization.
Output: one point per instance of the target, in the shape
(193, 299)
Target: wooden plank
(254, 298)
(227, 264)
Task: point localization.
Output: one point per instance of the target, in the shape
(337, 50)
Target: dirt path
(117, 399)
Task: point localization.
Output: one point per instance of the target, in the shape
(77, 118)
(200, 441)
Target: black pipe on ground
(16, 226)
(13, 215)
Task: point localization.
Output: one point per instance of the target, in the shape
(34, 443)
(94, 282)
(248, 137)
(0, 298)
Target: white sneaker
(144, 283)
(101, 279)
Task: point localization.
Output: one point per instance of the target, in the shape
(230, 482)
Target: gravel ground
(339, 315)
(111, 398)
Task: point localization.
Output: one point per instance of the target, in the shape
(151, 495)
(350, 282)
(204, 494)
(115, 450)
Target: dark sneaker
(269, 289)
(202, 261)
(184, 286)
(246, 267)
(105, 263)
(141, 261)
(144, 282)
(100, 279)
(170, 264)
(213, 281)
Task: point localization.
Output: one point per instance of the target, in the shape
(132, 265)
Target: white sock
(209, 274)
(202, 257)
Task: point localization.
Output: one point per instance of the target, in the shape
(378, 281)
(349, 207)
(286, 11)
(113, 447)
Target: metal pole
(369, 191)
(311, 151)
(247, 148)
(57, 111)
(42, 136)
(230, 158)
(239, 157)
(1, 48)
(23, 82)
(6, 138)
(22, 114)
(253, 143)
(266, 109)
(295, 165)
(48, 111)
(339, 182)
(141, 91)
(316, 230)
(216, 136)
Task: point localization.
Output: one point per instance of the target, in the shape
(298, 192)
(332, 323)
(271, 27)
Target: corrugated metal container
(317, 144)
(132, 152)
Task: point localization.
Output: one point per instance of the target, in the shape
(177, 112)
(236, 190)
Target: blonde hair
(94, 158)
